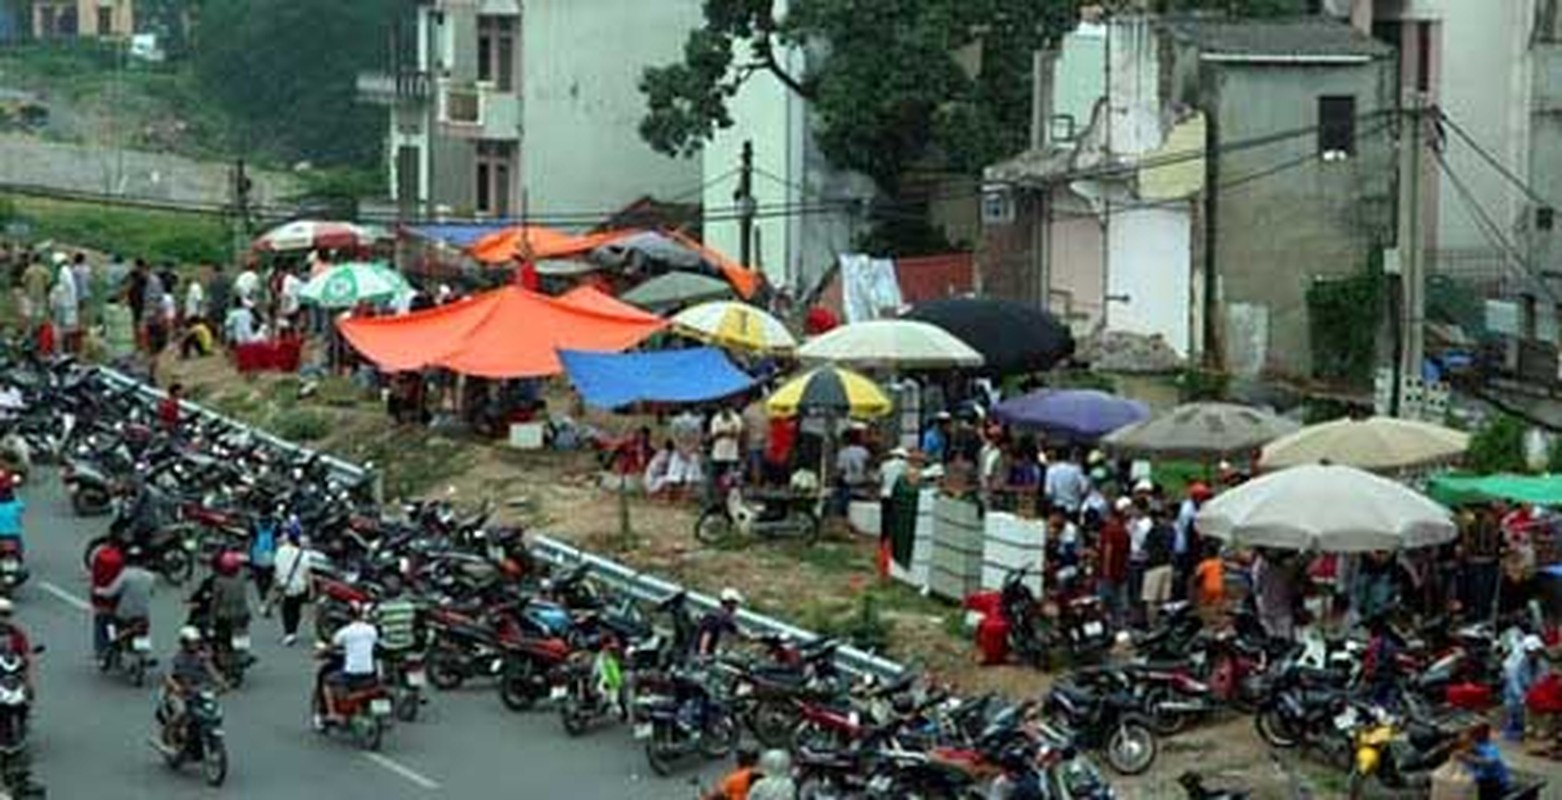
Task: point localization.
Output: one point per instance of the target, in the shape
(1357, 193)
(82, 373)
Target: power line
(1492, 160)
(1491, 230)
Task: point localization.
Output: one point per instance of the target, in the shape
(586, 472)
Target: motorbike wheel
(517, 686)
(573, 717)
(811, 526)
(444, 670)
(214, 767)
(176, 565)
(1132, 748)
(714, 526)
(721, 736)
(660, 751)
(369, 732)
(407, 704)
(772, 723)
(173, 759)
(138, 672)
(87, 503)
(1274, 728)
(1163, 721)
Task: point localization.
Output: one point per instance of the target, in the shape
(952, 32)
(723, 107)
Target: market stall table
(271, 355)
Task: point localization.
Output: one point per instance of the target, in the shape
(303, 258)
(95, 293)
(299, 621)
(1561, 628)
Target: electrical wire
(1492, 231)
(1492, 160)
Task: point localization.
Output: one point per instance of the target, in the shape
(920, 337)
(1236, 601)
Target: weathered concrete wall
(1308, 218)
(158, 176)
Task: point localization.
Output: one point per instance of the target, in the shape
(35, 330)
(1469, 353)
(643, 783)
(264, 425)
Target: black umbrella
(1012, 337)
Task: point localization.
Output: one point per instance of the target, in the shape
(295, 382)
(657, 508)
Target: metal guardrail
(636, 584)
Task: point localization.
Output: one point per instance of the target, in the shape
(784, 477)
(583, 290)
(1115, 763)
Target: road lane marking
(65, 597)
(423, 781)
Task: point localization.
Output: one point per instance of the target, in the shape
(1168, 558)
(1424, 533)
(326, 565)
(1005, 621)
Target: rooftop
(1298, 39)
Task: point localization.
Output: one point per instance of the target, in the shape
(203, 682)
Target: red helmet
(228, 562)
(1199, 491)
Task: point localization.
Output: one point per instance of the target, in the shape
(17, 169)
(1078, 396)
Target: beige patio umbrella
(892, 344)
(1331, 509)
(1380, 444)
(1199, 431)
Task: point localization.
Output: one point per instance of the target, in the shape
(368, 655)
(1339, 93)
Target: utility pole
(744, 197)
(1410, 249)
(241, 195)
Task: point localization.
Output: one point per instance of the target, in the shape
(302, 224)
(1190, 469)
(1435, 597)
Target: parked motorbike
(1107, 722)
(1394, 751)
(527, 671)
(198, 738)
(592, 687)
(791, 513)
(406, 678)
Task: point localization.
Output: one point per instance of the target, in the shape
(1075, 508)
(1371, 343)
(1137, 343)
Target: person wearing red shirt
(1112, 559)
(108, 560)
(168, 410)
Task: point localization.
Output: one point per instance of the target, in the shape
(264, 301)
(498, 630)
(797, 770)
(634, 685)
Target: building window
(409, 168)
(496, 51)
(997, 205)
(1336, 127)
(493, 178)
(105, 20)
(463, 105)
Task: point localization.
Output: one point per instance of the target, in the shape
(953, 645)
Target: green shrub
(1498, 446)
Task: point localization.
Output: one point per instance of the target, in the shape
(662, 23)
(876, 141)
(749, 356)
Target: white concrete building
(501, 108)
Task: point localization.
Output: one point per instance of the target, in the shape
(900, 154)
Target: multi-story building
(93, 19)
(500, 108)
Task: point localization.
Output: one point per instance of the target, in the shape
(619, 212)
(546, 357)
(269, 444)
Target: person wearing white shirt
(194, 302)
(726, 433)
(1067, 484)
(356, 641)
(247, 284)
(294, 563)
(288, 304)
(239, 326)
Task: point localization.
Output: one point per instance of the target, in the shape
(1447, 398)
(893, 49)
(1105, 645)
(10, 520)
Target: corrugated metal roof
(1285, 39)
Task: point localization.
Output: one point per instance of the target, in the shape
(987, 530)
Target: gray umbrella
(1200, 431)
(677, 289)
(630, 251)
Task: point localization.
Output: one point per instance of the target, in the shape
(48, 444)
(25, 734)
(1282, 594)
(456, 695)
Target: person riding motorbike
(131, 594)
(190, 670)
(11, 508)
(139, 513)
(777, 783)
(220, 605)
(14, 639)
(350, 665)
(719, 623)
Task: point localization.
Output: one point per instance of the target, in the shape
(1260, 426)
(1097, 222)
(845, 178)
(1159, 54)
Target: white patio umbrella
(739, 326)
(308, 234)
(1381, 444)
(891, 343)
(1331, 509)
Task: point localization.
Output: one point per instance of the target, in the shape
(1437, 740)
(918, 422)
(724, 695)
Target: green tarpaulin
(1454, 490)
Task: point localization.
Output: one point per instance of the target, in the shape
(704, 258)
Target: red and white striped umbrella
(306, 234)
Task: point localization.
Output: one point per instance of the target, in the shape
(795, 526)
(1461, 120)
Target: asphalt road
(91, 730)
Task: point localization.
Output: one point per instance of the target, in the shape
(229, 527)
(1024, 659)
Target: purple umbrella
(1083, 414)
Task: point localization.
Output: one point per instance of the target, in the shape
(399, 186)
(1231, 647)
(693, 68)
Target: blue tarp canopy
(615, 380)
(455, 235)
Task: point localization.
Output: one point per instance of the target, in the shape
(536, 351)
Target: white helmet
(189, 634)
(6, 607)
(1532, 644)
(732, 596)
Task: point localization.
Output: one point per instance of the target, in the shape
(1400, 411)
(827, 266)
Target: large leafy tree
(287, 70)
(890, 82)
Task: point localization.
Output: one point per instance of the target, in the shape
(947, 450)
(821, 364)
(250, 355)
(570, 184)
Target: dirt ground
(817, 588)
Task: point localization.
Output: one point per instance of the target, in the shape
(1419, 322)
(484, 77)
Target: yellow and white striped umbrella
(736, 325)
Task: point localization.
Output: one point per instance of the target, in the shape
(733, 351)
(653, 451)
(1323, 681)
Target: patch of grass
(301, 425)
(829, 557)
(158, 235)
(1174, 476)
(413, 462)
(335, 390)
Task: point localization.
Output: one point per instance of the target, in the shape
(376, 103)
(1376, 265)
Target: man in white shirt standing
(356, 641)
(289, 303)
(247, 284)
(726, 441)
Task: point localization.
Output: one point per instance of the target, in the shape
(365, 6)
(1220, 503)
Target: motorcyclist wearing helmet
(11, 508)
(719, 623)
(777, 783)
(221, 603)
(131, 593)
(190, 670)
(140, 511)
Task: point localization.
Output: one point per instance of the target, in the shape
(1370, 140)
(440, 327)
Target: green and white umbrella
(347, 285)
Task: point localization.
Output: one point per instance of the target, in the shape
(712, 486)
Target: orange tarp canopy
(535, 242)
(506, 333)
(590, 298)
